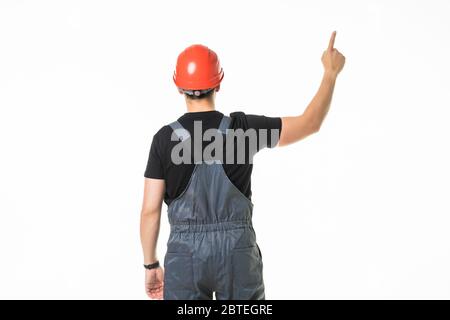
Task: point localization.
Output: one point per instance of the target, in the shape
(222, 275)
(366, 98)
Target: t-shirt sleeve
(271, 125)
(154, 168)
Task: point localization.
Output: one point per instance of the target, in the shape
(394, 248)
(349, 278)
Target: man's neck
(200, 105)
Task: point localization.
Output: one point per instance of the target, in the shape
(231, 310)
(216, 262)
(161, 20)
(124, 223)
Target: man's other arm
(298, 127)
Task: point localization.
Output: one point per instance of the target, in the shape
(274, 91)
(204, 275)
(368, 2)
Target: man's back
(212, 241)
(160, 166)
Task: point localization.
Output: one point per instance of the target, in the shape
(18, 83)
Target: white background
(359, 210)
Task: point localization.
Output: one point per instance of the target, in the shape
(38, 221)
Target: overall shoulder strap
(224, 124)
(180, 131)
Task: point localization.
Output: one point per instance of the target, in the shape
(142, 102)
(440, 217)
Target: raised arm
(298, 127)
(150, 221)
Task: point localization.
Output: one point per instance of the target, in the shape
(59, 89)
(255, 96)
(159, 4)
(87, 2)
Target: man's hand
(154, 283)
(333, 61)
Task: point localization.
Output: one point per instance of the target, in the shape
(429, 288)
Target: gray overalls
(212, 245)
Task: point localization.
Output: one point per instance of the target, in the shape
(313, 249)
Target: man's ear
(218, 88)
(180, 91)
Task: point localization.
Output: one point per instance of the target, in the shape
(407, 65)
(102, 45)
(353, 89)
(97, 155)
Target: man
(212, 246)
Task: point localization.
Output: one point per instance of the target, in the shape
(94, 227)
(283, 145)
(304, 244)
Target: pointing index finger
(331, 44)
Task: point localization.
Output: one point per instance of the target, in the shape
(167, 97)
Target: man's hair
(201, 96)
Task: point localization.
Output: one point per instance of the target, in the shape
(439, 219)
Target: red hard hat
(198, 68)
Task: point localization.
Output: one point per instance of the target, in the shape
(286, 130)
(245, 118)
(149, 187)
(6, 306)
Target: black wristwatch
(151, 265)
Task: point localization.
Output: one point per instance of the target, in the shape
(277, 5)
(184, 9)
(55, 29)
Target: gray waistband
(201, 227)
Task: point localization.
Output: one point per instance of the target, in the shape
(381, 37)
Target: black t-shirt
(160, 166)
